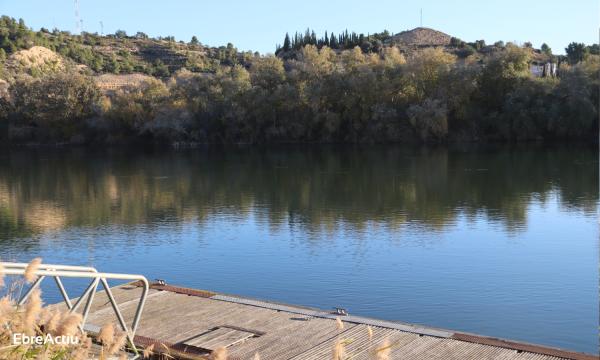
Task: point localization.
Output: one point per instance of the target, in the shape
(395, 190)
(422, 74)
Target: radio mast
(77, 18)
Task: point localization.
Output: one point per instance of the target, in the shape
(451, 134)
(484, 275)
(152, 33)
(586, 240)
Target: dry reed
(106, 334)
(31, 269)
(148, 351)
(33, 308)
(219, 354)
(69, 324)
(339, 323)
(118, 343)
(383, 351)
(339, 350)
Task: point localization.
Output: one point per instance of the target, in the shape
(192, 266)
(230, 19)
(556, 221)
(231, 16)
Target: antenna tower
(77, 18)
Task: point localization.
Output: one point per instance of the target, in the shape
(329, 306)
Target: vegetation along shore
(416, 86)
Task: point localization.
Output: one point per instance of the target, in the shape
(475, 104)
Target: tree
(333, 42)
(121, 34)
(479, 44)
(576, 52)
(501, 74)
(160, 69)
(594, 49)
(194, 40)
(429, 119)
(426, 69)
(56, 103)
(286, 43)
(546, 49)
(456, 42)
(267, 72)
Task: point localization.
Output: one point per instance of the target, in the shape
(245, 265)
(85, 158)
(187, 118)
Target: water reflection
(312, 189)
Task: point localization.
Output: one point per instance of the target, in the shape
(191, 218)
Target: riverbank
(319, 96)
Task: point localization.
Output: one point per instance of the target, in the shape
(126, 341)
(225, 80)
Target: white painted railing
(84, 272)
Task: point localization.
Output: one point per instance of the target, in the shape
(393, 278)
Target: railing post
(88, 304)
(63, 292)
(35, 284)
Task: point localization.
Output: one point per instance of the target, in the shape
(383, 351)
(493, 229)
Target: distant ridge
(421, 36)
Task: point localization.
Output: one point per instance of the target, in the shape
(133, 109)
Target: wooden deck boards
(284, 332)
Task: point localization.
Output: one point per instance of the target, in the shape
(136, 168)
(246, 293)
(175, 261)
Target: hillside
(421, 37)
(21, 48)
(419, 85)
(117, 53)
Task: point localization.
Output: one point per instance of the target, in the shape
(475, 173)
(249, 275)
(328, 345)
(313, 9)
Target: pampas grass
(69, 324)
(33, 308)
(339, 323)
(339, 350)
(30, 270)
(119, 342)
(383, 351)
(106, 334)
(148, 351)
(219, 354)
(53, 322)
(112, 342)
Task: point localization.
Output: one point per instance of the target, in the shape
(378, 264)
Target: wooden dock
(191, 323)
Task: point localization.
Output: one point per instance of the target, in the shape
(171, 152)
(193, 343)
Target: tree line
(345, 40)
(322, 95)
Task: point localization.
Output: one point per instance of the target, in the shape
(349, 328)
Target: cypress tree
(286, 43)
(333, 43)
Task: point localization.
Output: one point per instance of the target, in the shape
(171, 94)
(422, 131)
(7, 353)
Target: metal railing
(84, 272)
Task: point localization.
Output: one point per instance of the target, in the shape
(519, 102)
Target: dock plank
(276, 331)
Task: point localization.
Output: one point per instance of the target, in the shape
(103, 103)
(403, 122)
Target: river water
(499, 241)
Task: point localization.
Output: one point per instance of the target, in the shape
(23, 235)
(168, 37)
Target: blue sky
(259, 25)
